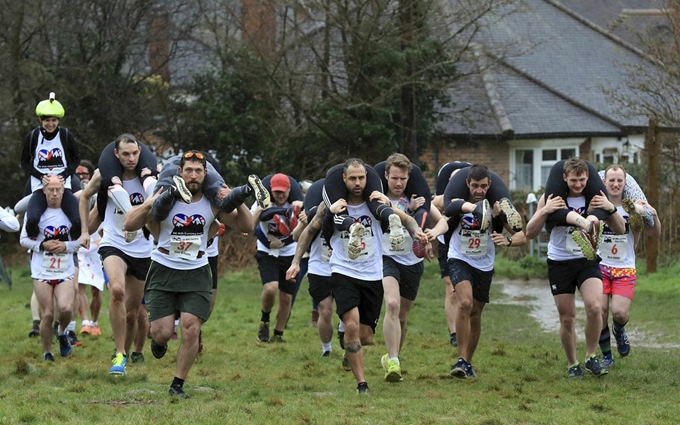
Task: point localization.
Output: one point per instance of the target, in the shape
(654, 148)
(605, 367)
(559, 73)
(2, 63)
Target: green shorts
(169, 290)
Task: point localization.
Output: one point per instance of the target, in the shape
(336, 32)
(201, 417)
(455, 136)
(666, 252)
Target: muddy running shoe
(356, 232)
(35, 330)
(130, 235)
(182, 192)
(158, 350)
(345, 363)
(595, 234)
(177, 391)
(582, 239)
(594, 366)
(260, 192)
(396, 233)
(263, 332)
(459, 370)
(634, 218)
(362, 388)
(607, 361)
(575, 371)
(393, 373)
(481, 214)
(96, 330)
(454, 340)
(277, 338)
(293, 214)
(622, 344)
(513, 218)
(136, 357)
(281, 225)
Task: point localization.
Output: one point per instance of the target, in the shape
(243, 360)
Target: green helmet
(50, 108)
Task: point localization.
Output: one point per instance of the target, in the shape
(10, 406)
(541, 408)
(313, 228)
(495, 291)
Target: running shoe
(136, 357)
(634, 218)
(130, 236)
(513, 218)
(85, 330)
(362, 388)
(73, 339)
(64, 346)
(96, 331)
(48, 357)
(607, 361)
(277, 338)
(158, 350)
(459, 370)
(393, 373)
(263, 332)
(454, 340)
(183, 192)
(481, 213)
(594, 366)
(177, 391)
(119, 363)
(583, 240)
(469, 372)
(575, 371)
(35, 330)
(326, 354)
(260, 193)
(396, 233)
(356, 232)
(622, 344)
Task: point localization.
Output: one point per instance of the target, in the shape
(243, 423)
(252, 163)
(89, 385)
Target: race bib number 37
(185, 247)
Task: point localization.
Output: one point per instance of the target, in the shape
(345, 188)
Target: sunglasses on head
(194, 153)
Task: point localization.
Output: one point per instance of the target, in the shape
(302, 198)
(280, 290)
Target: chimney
(159, 51)
(259, 24)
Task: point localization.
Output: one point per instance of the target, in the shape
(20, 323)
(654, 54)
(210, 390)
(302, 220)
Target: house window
(532, 165)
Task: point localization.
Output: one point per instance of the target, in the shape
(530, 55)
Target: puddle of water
(535, 294)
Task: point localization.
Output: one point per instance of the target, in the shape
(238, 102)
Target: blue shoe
(594, 366)
(469, 372)
(459, 370)
(622, 343)
(64, 346)
(575, 371)
(607, 361)
(48, 357)
(454, 340)
(119, 363)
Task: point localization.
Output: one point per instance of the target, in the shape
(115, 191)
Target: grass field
(522, 369)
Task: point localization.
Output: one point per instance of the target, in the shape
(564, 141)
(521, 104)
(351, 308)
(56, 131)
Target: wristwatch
(509, 238)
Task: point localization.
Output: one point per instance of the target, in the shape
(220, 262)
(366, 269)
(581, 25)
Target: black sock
(265, 317)
(176, 382)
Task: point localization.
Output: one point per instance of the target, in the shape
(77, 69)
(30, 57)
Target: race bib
(474, 243)
(366, 245)
(614, 248)
(571, 246)
(185, 247)
(403, 250)
(55, 264)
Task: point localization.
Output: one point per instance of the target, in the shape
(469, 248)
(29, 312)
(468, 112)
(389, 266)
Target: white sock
(326, 346)
(85, 323)
(71, 326)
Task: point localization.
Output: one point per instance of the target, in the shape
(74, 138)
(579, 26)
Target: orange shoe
(85, 330)
(95, 331)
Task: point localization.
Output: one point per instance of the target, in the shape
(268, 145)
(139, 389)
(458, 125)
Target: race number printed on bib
(473, 243)
(614, 248)
(571, 246)
(185, 247)
(55, 264)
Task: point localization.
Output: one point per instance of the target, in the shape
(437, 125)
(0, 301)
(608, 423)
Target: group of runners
(360, 235)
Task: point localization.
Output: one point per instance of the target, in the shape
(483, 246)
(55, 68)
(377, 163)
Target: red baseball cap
(280, 183)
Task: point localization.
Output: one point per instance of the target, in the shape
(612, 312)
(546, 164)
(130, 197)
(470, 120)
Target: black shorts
(442, 258)
(273, 269)
(319, 287)
(212, 261)
(366, 295)
(566, 276)
(480, 280)
(407, 276)
(137, 267)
